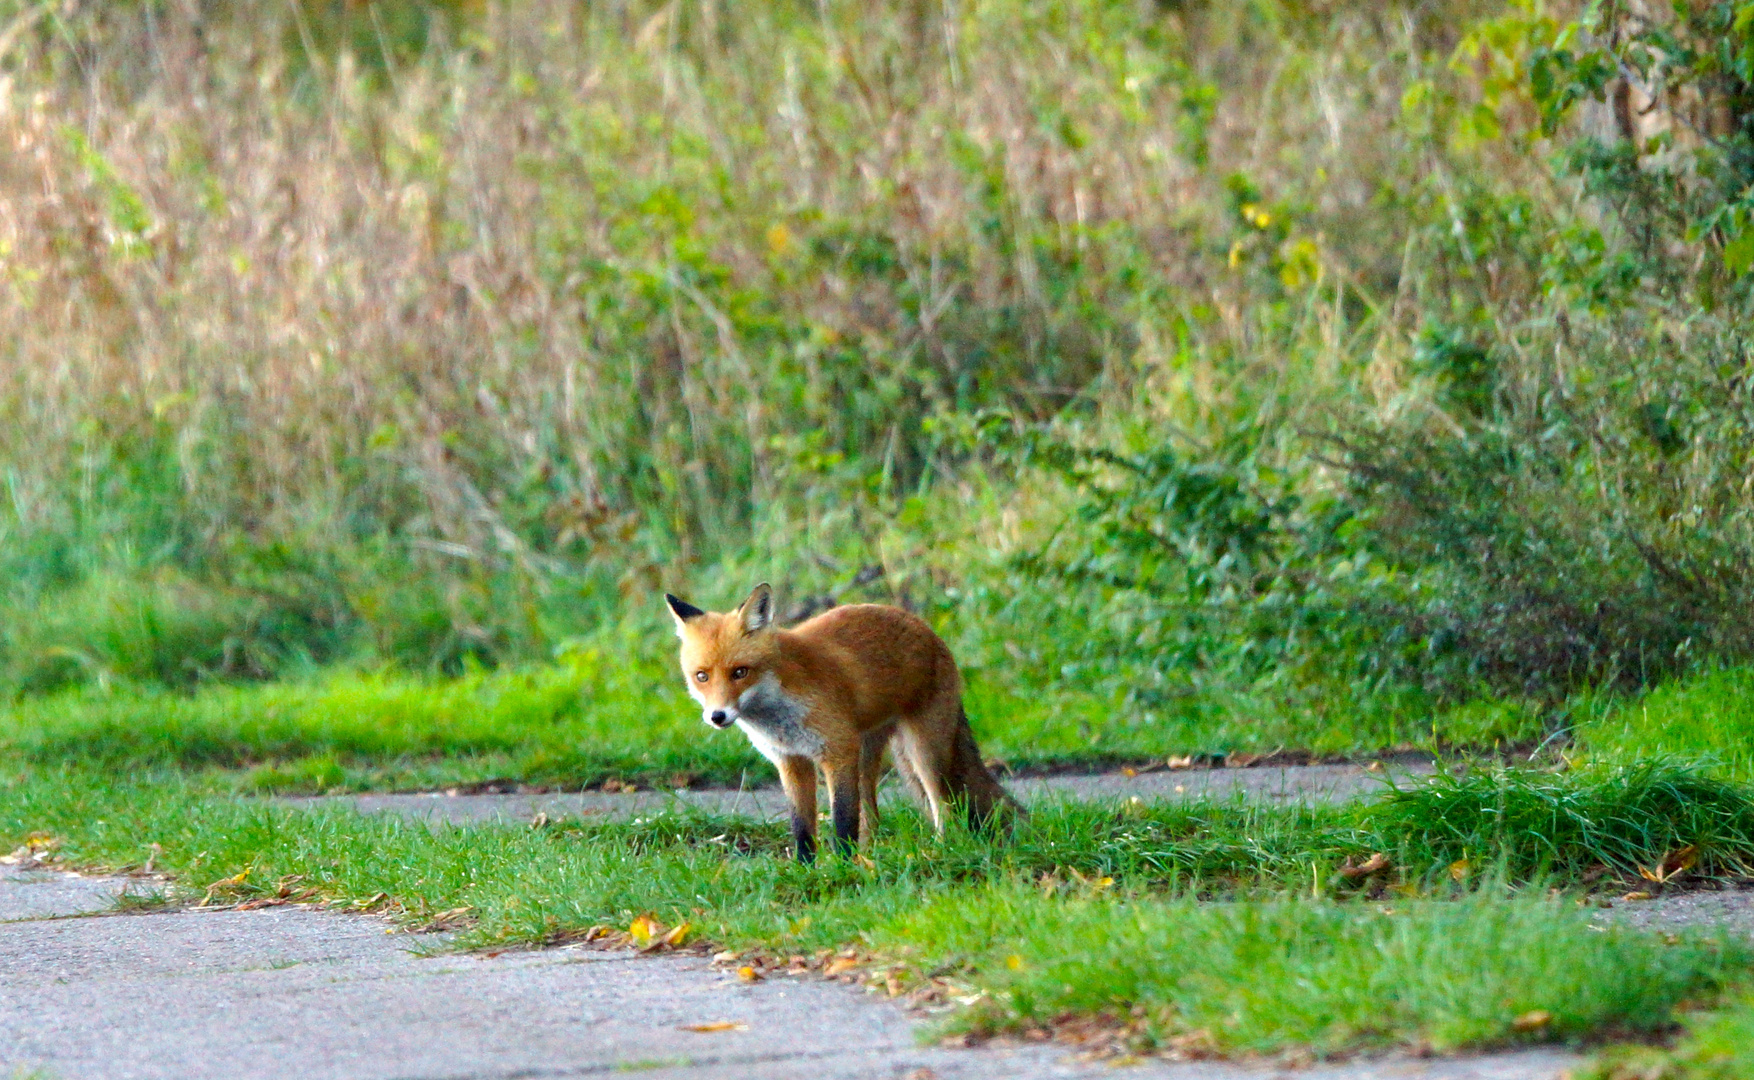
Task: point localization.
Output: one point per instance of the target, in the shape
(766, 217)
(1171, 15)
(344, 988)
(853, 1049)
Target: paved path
(1306, 783)
(287, 992)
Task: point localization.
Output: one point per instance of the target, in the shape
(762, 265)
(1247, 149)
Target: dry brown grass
(607, 254)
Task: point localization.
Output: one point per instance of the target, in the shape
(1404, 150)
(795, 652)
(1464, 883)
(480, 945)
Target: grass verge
(1090, 915)
(614, 710)
(1256, 977)
(1707, 718)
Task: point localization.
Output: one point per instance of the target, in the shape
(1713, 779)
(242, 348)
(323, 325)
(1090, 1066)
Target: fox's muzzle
(719, 718)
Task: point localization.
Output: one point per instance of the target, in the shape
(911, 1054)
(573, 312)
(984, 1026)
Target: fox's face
(725, 656)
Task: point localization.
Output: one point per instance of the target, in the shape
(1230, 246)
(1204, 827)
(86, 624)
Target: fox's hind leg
(870, 767)
(916, 757)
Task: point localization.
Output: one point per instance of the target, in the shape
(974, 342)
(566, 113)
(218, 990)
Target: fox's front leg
(841, 771)
(798, 777)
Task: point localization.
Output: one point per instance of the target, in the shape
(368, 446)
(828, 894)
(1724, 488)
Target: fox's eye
(700, 676)
(739, 673)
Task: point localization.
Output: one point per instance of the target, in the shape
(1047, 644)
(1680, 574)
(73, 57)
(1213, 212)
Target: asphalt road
(1303, 783)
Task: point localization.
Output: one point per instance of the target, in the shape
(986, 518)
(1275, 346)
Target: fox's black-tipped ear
(757, 611)
(682, 609)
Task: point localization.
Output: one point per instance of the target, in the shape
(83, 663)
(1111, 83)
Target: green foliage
(1432, 387)
(1696, 64)
(628, 294)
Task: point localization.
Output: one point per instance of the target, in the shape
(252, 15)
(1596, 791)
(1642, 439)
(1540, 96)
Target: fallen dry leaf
(675, 937)
(1184, 761)
(1674, 863)
(1375, 864)
(261, 902)
(726, 957)
(1193, 1046)
(1095, 884)
(1533, 1020)
(716, 1025)
(1459, 869)
(748, 974)
(644, 929)
(1640, 895)
(840, 966)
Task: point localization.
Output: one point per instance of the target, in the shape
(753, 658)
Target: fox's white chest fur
(774, 722)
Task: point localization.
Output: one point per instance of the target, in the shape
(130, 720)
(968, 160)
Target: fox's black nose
(719, 718)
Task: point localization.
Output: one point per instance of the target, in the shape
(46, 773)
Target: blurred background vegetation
(1318, 361)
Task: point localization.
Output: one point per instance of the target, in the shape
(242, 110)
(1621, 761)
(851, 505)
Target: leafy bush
(1548, 490)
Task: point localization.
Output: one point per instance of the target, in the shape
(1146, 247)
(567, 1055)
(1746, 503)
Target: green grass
(593, 717)
(1718, 1045)
(1706, 718)
(617, 708)
(1255, 977)
(1087, 910)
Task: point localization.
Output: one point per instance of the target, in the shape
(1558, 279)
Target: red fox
(833, 693)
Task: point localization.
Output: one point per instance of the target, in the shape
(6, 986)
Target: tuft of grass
(1534, 823)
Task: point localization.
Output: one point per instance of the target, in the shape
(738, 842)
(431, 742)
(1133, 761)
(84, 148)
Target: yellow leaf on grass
(1533, 1020)
(1459, 869)
(644, 929)
(1014, 962)
(716, 1025)
(677, 935)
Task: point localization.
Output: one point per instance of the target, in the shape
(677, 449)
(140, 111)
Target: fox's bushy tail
(973, 785)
